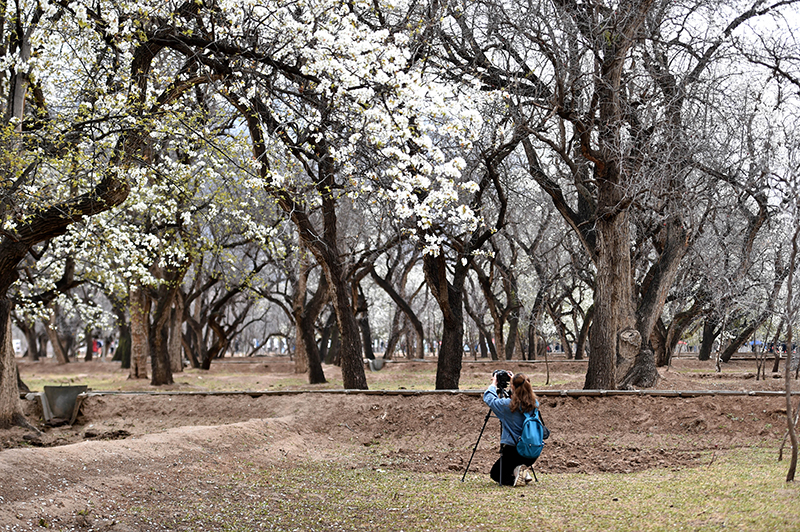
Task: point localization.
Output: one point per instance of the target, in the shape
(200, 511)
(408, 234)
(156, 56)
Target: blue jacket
(511, 421)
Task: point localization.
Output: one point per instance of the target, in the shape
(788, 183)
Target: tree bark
(580, 343)
(89, 337)
(159, 354)
(449, 297)
(350, 353)
(362, 316)
(776, 364)
(613, 311)
(709, 335)
(307, 354)
(159, 326)
(52, 334)
(140, 342)
(10, 408)
(175, 346)
(791, 313)
(675, 331)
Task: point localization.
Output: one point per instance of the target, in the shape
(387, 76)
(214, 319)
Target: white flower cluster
(364, 98)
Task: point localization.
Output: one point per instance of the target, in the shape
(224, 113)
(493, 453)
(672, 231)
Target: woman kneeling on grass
(511, 469)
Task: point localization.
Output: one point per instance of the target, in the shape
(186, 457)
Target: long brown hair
(523, 399)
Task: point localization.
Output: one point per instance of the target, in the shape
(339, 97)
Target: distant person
(510, 469)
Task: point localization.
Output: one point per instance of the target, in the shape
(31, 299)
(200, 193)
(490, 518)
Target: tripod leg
(500, 477)
(485, 421)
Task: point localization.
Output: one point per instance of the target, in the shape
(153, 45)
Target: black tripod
(485, 421)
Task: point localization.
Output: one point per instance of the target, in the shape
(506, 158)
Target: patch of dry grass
(741, 490)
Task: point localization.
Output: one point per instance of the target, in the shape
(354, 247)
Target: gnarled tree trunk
(613, 301)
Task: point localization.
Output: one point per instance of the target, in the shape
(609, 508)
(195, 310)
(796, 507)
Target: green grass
(740, 490)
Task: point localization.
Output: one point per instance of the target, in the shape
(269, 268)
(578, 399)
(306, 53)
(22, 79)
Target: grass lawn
(740, 490)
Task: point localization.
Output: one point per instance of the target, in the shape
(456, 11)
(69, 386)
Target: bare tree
(614, 99)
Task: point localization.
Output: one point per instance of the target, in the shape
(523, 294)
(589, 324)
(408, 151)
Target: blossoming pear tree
(82, 87)
(336, 100)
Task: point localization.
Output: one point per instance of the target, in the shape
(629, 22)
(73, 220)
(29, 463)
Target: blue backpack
(531, 441)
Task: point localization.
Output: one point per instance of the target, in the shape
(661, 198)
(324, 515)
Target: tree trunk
(743, 336)
(580, 343)
(10, 408)
(612, 301)
(305, 314)
(395, 335)
(532, 334)
(658, 344)
(653, 296)
(451, 352)
(298, 306)
(89, 337)
(327, 255)
(482, 345)
(159, 353)
(350, 353)
(709, 335)
(43, 340)
(513, 333)
(159, 325)
(33, 344)
(362, 317)
(52, 334)
(334, 352)
(791, 313)
(776, 364)
(123, 350)
(449, 297)
(176, 335)
(366, 337)
(315, 373)
(194, 345)
(140, 343)
(31, 338)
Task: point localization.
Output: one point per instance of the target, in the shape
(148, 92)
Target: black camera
(503, 378)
